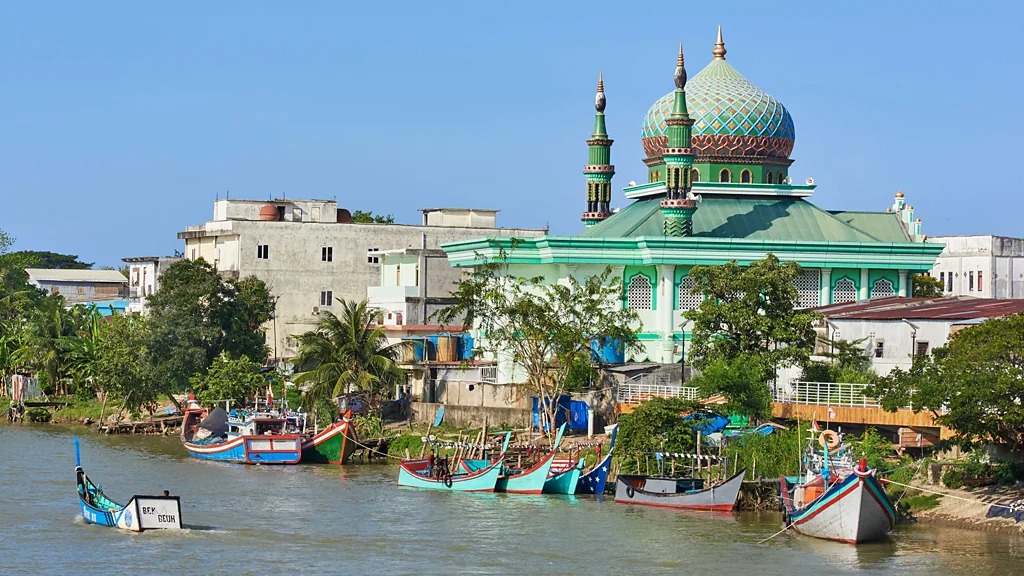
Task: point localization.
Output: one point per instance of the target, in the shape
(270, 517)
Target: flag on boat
(814, 426)
(270, 395)
(831, 413)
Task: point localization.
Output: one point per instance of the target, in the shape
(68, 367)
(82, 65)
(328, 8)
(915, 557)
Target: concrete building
(896, 329)
(78, 286)
(311, 254)
(144, 278)
(414, 283)
(983, 266)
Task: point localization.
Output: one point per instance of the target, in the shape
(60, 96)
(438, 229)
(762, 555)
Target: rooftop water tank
(268, 213)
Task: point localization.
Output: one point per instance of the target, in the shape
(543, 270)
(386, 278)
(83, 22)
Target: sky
(122, 122)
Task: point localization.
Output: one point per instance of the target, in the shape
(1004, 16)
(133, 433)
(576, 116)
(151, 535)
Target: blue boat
(248, 438)
(139, 514)
(593, 481)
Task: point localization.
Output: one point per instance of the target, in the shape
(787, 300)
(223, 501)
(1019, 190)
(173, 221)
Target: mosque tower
(599, 170)
(678, 207)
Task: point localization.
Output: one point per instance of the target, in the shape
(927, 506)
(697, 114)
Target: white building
(312, 256)
(894, 330)
(983, 266)
(79, 286)
(144, 278)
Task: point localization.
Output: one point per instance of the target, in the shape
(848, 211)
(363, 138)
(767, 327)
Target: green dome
(732, 117)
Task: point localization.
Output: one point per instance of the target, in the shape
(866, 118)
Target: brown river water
(354, 520)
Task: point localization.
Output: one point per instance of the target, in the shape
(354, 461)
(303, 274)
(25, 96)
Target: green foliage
(38, 415)
(42, 259)
(924, 286)
(229, 379)
(545, 328)
(741, 380)
(78, 411)
(769, 456)
(873, 446)
(6, 241)
(581, 373)
(974, 385)
(368, 217)
(369, 426)
(196, 315)
(398, 446)
(348, 353)
(921, 502)
(122, 367)
(655, 426)
(953, 477)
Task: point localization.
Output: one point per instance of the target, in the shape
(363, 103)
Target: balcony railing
(638, 390)
(824, 394)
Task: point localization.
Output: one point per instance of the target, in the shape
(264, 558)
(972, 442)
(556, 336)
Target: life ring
(629, 491)
(447, 481)
(829, 439)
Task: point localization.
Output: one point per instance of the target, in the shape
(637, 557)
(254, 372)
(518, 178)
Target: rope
(947, 495)
(365, 447)
(777, 533)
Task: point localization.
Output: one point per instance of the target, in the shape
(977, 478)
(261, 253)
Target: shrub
(397, 446)
(953, 477)
(38, 415)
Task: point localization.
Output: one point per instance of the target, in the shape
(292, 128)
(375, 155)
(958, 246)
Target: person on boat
(430, 463)
(167, 492)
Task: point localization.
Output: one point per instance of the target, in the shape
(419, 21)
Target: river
(354, 520)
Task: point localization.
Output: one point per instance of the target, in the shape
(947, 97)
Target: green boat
(333, 445)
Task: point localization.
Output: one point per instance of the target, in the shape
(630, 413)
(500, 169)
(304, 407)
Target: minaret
(678, 207)
(599, 170)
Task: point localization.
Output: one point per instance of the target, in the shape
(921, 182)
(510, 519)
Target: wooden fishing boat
(683, 493)
(594, 480)
(333, 445)
(525, 481)
(563, 477)
(140, 513)
(414, 473)
(852, 509)
(248, 438)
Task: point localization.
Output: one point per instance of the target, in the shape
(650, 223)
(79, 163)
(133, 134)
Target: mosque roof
(885, 226)
(750, 218)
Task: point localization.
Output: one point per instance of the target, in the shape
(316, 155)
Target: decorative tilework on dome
(731, 116)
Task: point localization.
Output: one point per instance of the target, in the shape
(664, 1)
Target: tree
(750, 311)
(47, 330)
(347, 353)
(924, 286)
(228, 379)
(122, 367)
(44, 259)
(6, 241)
(657, 425)
(741, 380)
(544, 328)
(974, 385)
(196, 315)
(371, 218)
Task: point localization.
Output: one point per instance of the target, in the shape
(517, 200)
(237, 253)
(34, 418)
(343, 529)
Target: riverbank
(968, 509)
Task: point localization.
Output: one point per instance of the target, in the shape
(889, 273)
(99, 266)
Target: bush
(771, 456)
(38, 415)
(953, 477)
(369, 426)
(397, 446)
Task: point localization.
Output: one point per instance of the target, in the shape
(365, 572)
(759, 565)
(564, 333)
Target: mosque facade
(718, 190)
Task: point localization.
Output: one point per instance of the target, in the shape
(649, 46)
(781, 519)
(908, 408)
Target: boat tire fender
(447, 481)
(829, 439)
(629, 491)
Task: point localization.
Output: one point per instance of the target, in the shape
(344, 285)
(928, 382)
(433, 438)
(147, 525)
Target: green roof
(750, 218)
(885, 226)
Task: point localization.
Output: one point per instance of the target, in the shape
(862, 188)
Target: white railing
(824, 394)
(637, 390)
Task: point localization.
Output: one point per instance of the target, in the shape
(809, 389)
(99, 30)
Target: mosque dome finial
(680, 68)
(719, 50)
(599, 99)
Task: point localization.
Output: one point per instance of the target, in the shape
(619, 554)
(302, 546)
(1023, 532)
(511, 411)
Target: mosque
(718, 189)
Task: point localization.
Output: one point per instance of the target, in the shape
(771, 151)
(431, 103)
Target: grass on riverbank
(77, 411)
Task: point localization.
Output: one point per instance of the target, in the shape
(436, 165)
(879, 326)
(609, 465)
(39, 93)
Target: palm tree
(46, 339)
(347, 353)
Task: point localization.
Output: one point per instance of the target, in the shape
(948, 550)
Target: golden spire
(600, 82)
(719, 50)
(679, 60)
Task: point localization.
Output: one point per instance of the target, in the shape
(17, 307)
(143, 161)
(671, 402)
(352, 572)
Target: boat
(836, 501)
(416, 474)
(332, 445)
(244, 437)
(139, 514)
(594, 480)
(682, 493)
(563, 477)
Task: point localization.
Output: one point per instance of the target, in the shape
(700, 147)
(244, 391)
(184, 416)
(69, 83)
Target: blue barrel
(466, 351)
(608, 350)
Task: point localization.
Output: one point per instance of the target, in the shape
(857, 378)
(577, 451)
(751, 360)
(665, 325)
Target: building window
(327, 254)
(879, 348)
(687, 299)
(326, 297)
(979, 281)
(725, 175)
(694, 175)
(970, 282)
(771, 177)
(921, 349)
(372, 258)
(263, 251)
(781, 178)
(808, 288)
(882, 288)
(845, 291)
(745, 176)
(942, 279)
(640, 294)
(949, 282)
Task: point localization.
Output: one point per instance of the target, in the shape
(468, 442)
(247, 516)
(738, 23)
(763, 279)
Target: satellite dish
(788, 180)
(632, 183)
(810, 181)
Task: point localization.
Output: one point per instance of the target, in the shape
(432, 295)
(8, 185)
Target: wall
(898, 337)
(473, 416)
(999, 260)
(84, 291)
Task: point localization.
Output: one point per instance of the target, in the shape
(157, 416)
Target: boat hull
(275, 449)
(529, 481)
(563, 482)
(141, 513)
(333, 445)
(413, 473)
(594, 481)
(720, 498)
(854, 510)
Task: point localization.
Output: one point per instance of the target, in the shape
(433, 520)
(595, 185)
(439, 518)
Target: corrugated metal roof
(899, 308)
(885, 226)
(752, 218)
(61, 275)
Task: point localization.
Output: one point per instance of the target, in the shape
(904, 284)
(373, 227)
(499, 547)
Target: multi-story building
(312, 255)
(80, 286)
(983, 266)
(144, 278)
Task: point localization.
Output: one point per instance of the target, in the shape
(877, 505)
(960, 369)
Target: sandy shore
(971, 514)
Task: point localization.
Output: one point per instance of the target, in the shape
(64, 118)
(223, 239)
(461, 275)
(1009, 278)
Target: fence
(645, 387)
(824, 394)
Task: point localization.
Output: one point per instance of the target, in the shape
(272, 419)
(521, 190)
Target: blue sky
(123, 121)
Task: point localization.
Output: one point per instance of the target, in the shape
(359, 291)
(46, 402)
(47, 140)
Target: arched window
(745, 176)
(781, 178)
(687, 299)
(695, 175)
(882, 288)
(725, 175)
(640, 293)
(845, 291)
(771, 177)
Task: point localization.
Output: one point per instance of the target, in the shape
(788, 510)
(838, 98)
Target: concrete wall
(473, 416)
(998, 260)
(898, 337)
